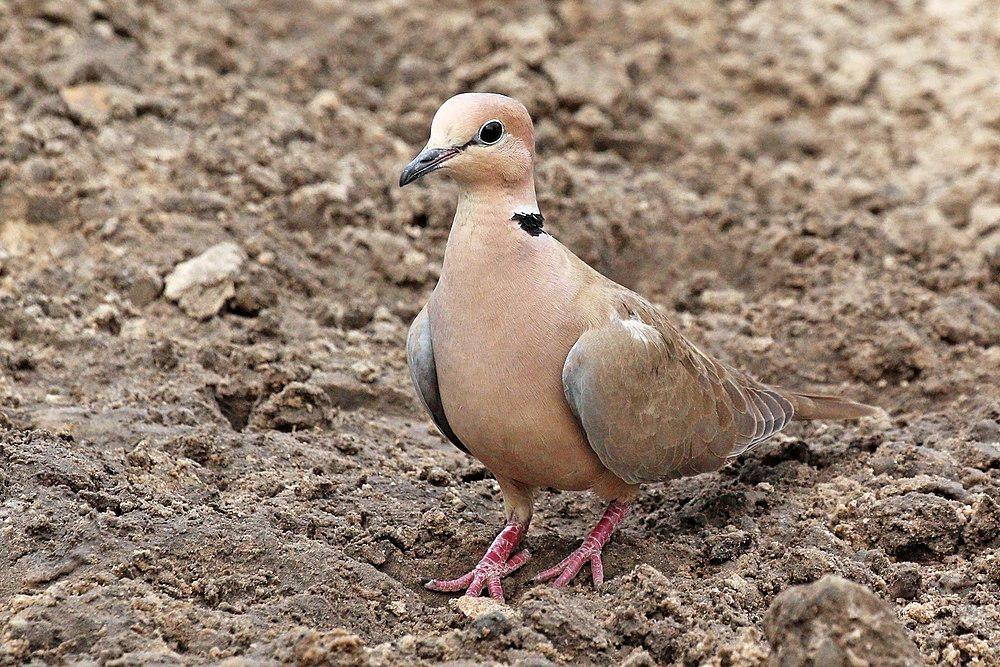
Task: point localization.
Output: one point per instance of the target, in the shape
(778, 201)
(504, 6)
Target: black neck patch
(530, 222)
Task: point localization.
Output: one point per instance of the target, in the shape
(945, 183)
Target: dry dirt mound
(204, 460)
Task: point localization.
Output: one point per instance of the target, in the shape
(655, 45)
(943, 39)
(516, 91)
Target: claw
(589, 551)
(450, 585)
(496, 590)
(597, 570)
(494, 566)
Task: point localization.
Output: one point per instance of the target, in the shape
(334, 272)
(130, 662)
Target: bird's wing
(654, 406)
(423, 373)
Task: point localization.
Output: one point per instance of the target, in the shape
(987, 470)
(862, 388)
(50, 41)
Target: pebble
(94, 104)
(833, 621)
(477, 607)
(203, 284)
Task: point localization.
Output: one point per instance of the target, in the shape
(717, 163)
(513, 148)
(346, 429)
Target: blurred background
(208, 443)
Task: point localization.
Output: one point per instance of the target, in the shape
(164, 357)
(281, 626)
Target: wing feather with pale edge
(423, 373)
(654, 406)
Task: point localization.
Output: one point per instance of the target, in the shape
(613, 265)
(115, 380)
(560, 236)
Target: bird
(553, 375)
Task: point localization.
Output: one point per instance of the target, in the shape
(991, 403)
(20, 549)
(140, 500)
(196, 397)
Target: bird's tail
(819, 406)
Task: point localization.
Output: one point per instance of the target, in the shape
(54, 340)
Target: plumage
(550, 373)
(423, 374)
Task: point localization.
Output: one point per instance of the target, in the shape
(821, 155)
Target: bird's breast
(500, 336)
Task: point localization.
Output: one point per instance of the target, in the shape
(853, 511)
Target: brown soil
(812, 187)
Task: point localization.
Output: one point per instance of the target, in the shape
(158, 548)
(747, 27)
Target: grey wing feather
(653, 406)
(423, 373)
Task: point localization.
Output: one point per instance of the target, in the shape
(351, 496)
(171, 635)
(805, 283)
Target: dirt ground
(812, 188)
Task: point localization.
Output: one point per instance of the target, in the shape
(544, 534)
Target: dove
(551, 374)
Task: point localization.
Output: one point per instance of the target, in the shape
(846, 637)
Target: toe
(553, 571)
(597, 569)
(495, 588)
(550, 573)
(516, 561)
(449, 585)
(476, 587)
(568, 573)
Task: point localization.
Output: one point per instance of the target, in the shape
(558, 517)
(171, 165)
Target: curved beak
(429, 160)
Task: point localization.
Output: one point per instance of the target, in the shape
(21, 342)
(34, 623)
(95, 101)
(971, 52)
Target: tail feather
(819, 406)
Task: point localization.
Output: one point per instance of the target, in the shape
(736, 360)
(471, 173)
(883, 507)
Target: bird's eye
(490, 132)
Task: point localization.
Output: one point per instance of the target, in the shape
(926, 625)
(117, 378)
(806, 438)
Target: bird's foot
(589, 551)
(494, 566)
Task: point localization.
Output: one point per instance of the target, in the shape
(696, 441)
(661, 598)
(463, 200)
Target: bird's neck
(490, 203)
(489, 234)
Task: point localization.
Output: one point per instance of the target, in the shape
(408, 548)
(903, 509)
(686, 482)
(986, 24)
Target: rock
(365, 371)
(267, 180)
(547, 611)
(727, 546)
(534, 30)
(325, 101)
(164, 356)
(478, 607)
(639, 658)
(236, 401)
(201, 285)
(309, 203)
(396, 259)
(591, 118)
(907, 582)
(195, 202)
(256, 292)
(39, 170)
(585, 75)
(984, 454)
(984, 524)
(305, 646)
(95, 58)
(901, 459)
(984, 227)
(836, 622)
(355, 314)
(955, 201)
(106, 318)
(44, 209)
(897, 351)
(985, 442)
(919, 232)
(437, 476)
(142, 286)
(298, 406)
(966, 318)
(412, 269)
(93, 104)
(986, 431)
(136, 328)
(723, 300)
(343, 390)
(853, 74)
(67, 12)
(915, 525)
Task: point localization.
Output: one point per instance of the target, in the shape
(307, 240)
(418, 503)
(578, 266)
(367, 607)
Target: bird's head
(479, 139)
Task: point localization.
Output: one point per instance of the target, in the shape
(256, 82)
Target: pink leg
(590, 550)
(495, 565)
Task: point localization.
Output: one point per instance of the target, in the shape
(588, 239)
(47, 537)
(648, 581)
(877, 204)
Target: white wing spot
(642, 332)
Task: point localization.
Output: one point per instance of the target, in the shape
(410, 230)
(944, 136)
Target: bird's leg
(590, 550)
(494, 566)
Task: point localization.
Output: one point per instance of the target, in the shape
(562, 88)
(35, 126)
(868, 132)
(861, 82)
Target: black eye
(491, 132)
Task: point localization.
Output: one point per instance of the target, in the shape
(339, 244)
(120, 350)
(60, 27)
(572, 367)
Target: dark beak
(428, 160)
